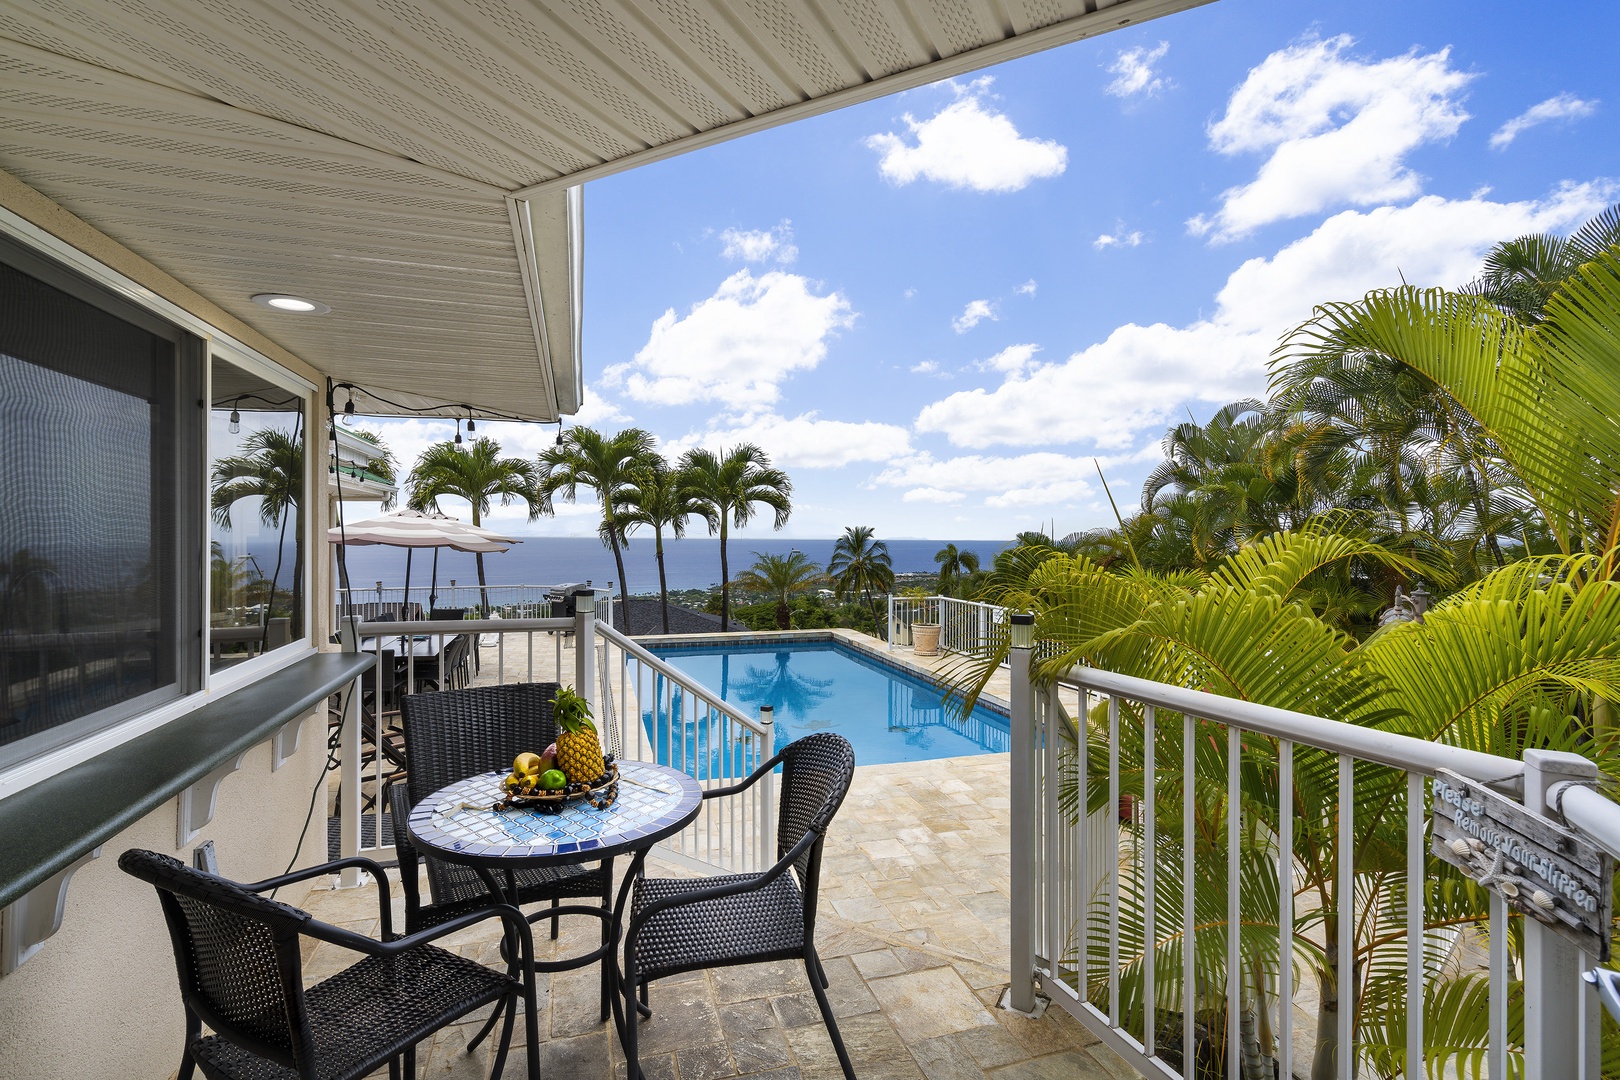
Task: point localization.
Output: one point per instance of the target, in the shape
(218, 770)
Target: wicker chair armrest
(717, 892)
(348, 939)
(747, 782)
(399, 808)
(384, 900)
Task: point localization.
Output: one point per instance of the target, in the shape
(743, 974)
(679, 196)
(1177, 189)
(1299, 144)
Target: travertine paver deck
(913, 930)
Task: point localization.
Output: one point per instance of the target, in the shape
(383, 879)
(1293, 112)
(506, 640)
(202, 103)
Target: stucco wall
(101, 998)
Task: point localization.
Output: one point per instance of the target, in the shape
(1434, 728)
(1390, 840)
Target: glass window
(98, 477)
(256, 502)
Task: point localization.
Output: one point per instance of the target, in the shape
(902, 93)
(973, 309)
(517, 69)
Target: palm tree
(730, 485)
(608, 466)
(477, 474)
(860, 564)
(781, 577)
(659, 497)
(1543, 396)
(271, 468)
(953, 566)
(1520, 276)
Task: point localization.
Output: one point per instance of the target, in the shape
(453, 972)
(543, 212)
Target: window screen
(94, 574)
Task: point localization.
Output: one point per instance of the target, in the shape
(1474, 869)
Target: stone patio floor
(913, 931)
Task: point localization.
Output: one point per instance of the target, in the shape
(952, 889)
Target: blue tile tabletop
(458, 819)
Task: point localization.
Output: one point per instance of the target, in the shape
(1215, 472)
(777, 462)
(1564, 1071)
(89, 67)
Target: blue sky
(937, 310)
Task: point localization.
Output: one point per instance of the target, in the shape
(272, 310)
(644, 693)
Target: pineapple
(579, 750)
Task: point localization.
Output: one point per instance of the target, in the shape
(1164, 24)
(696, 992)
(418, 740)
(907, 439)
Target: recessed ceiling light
(288, 302)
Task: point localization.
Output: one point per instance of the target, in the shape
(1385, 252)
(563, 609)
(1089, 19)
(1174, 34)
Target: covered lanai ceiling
(415, 164)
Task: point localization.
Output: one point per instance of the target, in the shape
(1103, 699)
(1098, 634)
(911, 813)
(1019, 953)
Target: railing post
(767, 790)
(1022, 992)
(888, 627)
(349, 798)
(585, 646)
(1553, 1039)
(349, 764)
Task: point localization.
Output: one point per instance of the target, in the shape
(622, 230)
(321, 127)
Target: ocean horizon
(690, 563)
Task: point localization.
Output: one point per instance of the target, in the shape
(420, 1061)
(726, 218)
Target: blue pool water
(887, 714)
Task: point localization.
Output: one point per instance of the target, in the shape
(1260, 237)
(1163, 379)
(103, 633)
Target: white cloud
(1337, 129)
(932, 495)
(929, 367)
(760, 245)
(967, 144)
(737, 346)
(1038, 479)
(1026, 289)
(801, 442)
(1012, 358)
(1120, 237)
(1129, 385)
(597, 411)
(1134, 74)
(1562, 107)
(909, 293)
(975, 313)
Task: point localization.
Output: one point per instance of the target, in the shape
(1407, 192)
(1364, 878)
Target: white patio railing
(965, 626)
(674, 720)
(1106, 903)
(505, 601)
(646, 710)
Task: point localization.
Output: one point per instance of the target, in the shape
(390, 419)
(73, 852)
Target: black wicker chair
(455, 734)
(241, 973)
(684, 924)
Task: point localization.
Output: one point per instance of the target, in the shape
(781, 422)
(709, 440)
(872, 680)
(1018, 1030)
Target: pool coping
(870, 648)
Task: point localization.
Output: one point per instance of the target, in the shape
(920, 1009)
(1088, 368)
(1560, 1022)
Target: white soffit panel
(408, 162)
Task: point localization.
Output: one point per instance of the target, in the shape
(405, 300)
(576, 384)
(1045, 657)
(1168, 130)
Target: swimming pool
(887, 713)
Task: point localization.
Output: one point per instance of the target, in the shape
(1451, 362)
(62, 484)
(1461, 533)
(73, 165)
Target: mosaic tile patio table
(457, 824)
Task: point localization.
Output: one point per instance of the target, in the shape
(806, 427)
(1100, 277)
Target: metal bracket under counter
(25, 923)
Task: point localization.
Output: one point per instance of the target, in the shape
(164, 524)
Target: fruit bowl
(600, 793)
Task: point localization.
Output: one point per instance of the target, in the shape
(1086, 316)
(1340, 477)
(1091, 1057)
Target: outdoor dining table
(422, 646)
(457, 824)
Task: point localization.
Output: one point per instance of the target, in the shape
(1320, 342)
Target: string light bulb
(470, 427)
(458, 432)
(236, 420)
(348, 409)
(559, 433)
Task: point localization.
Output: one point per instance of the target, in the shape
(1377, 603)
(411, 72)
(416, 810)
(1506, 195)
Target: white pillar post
(1024, 838)
(585, 646)
(1553, 1039)
(349, 799)
(766, 808)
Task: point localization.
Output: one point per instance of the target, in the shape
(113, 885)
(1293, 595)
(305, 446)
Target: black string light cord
(348, 612)
(431, 410)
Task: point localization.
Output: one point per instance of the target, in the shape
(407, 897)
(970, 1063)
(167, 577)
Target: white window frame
(30, 771)
(249, 671)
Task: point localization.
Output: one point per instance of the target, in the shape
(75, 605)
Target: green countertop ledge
(50, 825)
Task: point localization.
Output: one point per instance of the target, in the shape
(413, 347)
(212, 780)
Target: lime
(552, 779)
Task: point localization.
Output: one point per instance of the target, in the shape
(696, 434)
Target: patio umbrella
(412, 529)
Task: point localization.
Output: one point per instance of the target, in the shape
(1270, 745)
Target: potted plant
(924, 629)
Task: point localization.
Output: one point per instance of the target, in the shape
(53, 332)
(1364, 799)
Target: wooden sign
(1540, 868)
